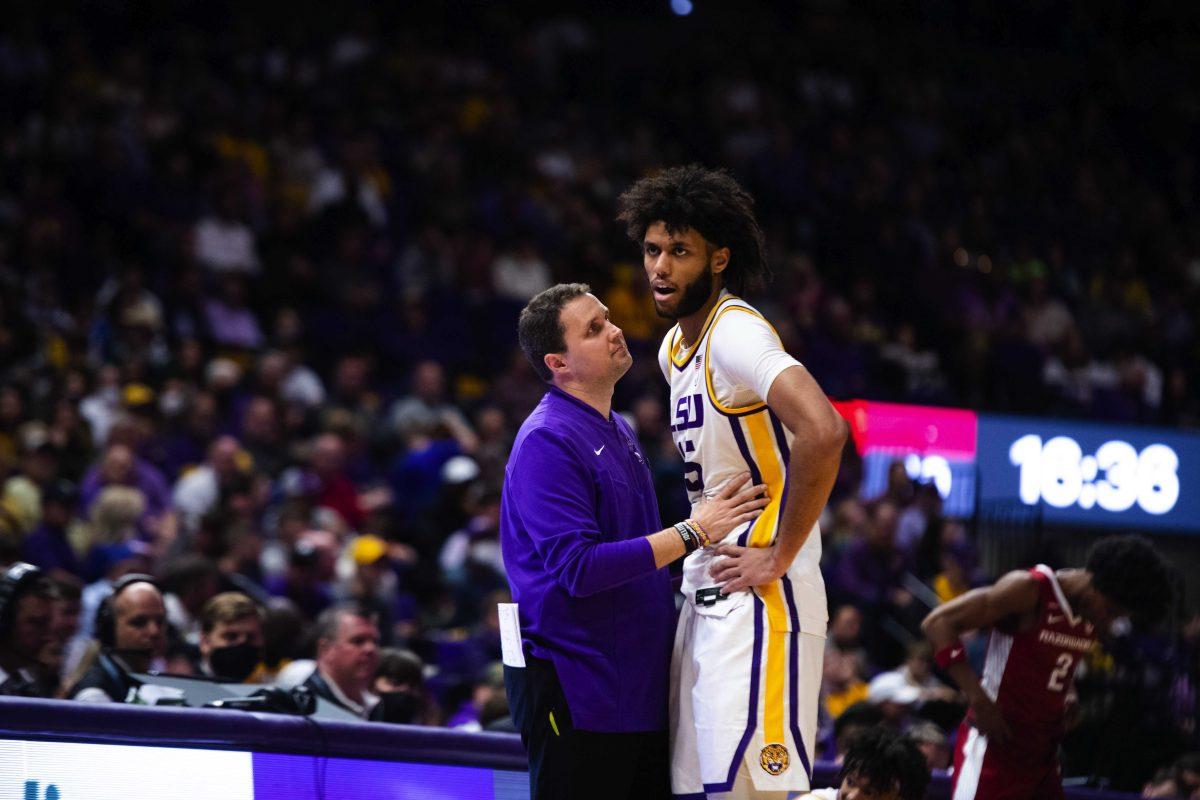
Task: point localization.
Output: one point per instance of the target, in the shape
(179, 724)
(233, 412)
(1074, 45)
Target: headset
(14, 582)
(106, 621)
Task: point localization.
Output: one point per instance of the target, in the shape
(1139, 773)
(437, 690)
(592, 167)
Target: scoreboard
(1077, 473)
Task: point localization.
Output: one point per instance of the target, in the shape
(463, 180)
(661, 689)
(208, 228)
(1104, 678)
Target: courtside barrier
(59, 750)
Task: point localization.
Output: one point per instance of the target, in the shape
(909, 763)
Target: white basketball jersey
(722, 427)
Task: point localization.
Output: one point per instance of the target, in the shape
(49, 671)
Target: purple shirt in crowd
(146, 478)
(578, 501)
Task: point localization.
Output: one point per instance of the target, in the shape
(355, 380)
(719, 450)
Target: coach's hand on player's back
(737, 502)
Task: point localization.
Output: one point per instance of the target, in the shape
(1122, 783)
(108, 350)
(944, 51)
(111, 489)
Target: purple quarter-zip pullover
(578, 501)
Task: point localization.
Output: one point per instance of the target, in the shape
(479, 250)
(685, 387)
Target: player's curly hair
(1131, 573)
(708, 201)
(883, 759)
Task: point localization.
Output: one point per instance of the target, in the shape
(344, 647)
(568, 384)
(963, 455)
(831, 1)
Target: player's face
(856, 788)
(682, 269)
(596, 351)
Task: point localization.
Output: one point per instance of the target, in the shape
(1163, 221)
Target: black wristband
(690, 542)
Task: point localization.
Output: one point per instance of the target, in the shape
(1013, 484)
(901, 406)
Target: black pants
(566, 763)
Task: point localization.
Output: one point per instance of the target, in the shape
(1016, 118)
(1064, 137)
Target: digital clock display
(1084, 473)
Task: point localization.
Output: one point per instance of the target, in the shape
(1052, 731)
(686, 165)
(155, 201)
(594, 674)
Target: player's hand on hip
(744, 567)
(738, 502)
(990, 720)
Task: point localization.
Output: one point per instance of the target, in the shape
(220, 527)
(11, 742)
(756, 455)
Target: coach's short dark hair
(885, 759)
(540, 329)
(708, 201)
(1130, 572)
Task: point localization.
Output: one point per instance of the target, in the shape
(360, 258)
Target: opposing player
(1042, 623)
(746, 667)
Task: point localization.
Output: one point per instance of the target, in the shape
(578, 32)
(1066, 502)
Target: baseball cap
(368, 549)
(892, 687)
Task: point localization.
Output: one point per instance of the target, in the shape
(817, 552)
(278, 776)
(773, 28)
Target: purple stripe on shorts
(794, 667)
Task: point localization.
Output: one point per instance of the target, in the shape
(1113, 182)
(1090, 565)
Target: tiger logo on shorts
(774, 759)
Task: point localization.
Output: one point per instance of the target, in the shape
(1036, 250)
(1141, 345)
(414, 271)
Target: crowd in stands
(259, 282)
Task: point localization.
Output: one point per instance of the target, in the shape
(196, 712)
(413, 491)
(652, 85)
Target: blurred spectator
(27, 600)
(1163, 784)
(283, 629)
(231, 639)
(67, 608)
(347, 659)
(895, 697)
(113, 529)
(842, 683)
(1187, 774)
(468, 715)
(131, 636)
(520, 273)
(916, 673)
(932, 743)
(925, 507)
(332, 488)
(870, 574)
(188, 582)
(426, 410)
(22, 493)
(855, 719)
(198, 491)
(120, 466)
(223, 242)
(230, 318)
(262, 436)
(400, 684)
(48, 545)
(310, 569)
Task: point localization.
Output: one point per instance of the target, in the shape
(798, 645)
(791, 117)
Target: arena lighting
(681, 8)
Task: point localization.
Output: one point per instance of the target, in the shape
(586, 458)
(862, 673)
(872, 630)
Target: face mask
(236, 662)
(399, 707)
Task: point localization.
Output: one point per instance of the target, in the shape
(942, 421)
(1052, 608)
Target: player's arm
(1015, 594)
(819, 434)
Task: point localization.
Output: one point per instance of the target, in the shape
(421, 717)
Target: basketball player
(881, 764)
(746, 666)
(1043, 621)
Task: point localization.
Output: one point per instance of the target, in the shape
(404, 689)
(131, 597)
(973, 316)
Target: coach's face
(682, 269)
(596, 351)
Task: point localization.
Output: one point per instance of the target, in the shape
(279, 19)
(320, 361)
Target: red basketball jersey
(1028, 673)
